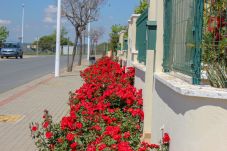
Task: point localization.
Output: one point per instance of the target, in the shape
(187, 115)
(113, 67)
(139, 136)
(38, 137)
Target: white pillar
(58, 30)
(22, 26)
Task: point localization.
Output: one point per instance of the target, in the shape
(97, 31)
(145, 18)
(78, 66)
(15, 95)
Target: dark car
(11, 49)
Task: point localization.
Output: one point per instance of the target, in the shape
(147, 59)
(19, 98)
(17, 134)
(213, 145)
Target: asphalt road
(16, 72)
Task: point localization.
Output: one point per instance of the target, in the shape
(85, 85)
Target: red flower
(166, 138)
(51, 146)
(79, 125)
(49, 135)
(73, 145)
(154, 146)
(114, 146)
(97, 128)
(124, 146)
(102, 147)
(34, 128)
(70, 137)
(45, 124)
(60, 140)
(117, 137)
(126, 134)
(91, 148)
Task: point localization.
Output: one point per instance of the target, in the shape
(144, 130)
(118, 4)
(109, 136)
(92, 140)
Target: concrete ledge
(139, 66)
(187, 89)
(134, 52)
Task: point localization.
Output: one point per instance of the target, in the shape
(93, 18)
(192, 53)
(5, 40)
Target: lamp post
(22, 26)
(88, 40)
(88, 37)
(58, 30)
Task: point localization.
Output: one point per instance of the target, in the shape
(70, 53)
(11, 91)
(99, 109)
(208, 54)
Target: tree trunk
(70, 68)
(81, 50)
(92, 47)
(84, 43)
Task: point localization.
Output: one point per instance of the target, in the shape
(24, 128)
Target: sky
(40, 17)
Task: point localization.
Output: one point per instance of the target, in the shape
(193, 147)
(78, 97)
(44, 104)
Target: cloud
(4, 22)
(50, 14)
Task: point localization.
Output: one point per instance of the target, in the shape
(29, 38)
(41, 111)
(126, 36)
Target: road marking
(10, 118)
(23, 92)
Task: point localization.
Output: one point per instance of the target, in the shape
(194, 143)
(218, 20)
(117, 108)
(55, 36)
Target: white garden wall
(194, 116)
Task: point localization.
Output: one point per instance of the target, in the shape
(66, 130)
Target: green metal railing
(118, 46)
(183, 36)
(141, 34)
(125, 44)
(151, 35)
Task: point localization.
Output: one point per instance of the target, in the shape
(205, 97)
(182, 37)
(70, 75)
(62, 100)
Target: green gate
(183, 36)
(125, 44)
(141, 34)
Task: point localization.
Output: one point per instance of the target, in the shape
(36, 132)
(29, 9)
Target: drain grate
(10, 118)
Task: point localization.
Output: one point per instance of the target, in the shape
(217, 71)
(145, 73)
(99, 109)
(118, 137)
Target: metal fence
(195, 40)
(182, 37)
(125, 44)
(141, 34)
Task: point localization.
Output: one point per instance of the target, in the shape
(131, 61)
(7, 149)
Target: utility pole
(22, 26)
(58, 30)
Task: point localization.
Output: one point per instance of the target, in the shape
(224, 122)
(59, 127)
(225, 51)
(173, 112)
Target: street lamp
(88, 38)
(58, 30)
(22, 27)
(88, 41)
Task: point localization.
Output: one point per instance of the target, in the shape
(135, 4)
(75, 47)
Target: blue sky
(40, 17)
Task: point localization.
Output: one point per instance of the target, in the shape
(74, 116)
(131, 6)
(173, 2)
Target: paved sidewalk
(30, 100)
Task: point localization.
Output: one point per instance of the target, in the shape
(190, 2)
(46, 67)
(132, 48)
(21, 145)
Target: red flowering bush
(105, 114)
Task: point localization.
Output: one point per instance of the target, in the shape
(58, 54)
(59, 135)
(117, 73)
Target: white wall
(139, 79)
(194, 123)
(67, 49)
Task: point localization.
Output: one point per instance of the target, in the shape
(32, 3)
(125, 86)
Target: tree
(143, 5)
(4, 33)
(48, 42)
(114, 36)
(95, 35)
(80, 13)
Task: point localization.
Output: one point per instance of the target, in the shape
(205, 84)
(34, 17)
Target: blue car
(11, 50)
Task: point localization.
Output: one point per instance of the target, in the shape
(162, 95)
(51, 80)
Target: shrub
(105, 114)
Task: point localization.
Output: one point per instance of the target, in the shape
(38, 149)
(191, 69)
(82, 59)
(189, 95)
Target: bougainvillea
(105, 114)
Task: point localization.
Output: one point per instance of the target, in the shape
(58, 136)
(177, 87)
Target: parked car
(11, 49)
